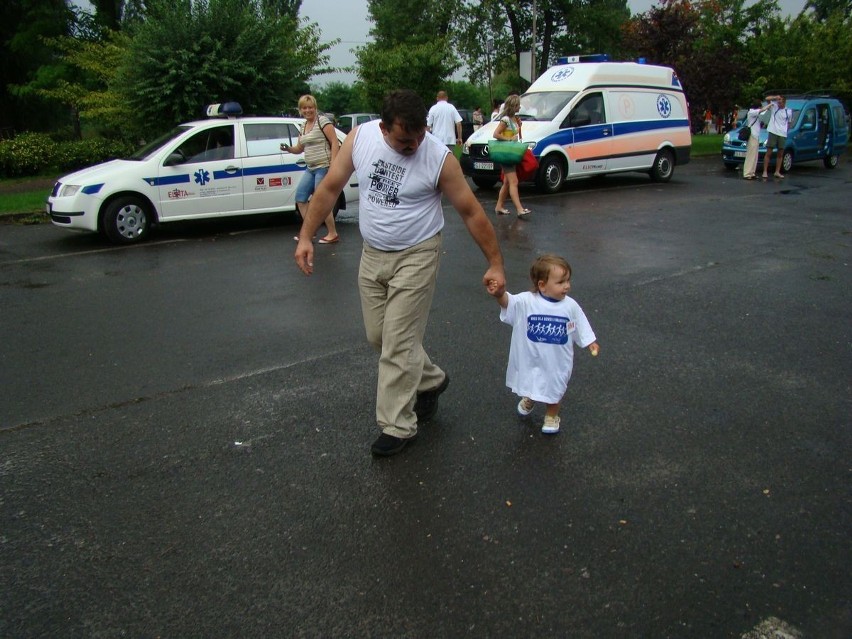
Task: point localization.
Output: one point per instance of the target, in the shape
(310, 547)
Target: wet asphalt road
(185, 429)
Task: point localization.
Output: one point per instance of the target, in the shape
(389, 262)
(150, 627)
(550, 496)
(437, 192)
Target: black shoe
(387, 445)
(426, 404)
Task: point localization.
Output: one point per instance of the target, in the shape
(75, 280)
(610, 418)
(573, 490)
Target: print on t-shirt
(385, 181)
(549, 329)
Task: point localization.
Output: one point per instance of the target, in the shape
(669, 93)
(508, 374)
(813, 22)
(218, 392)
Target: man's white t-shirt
(399, 204)
(541, 355)
(779, 120)
(442, 120)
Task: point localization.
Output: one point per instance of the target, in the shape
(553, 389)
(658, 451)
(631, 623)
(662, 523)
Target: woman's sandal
(501, 212)
(522, 215)
(330, 240)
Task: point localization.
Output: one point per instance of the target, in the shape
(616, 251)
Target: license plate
(739, 154)
(484, 166)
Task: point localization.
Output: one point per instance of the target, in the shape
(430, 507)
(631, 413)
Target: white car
(225, 165)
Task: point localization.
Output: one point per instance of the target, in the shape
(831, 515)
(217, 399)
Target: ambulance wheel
(787, 162)
(125, 220)
(831, 161)
(551, 174)
(663, 167)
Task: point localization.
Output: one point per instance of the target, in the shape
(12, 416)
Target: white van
(593, 118)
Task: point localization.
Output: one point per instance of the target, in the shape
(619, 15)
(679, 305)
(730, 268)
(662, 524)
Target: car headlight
(465, 149)
(727, 138)
(68, 190)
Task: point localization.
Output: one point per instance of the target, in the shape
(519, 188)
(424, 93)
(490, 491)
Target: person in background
(495, 109)
(779, 120)
(444, 121)
(318, 141)
(546, 324)
(478, 118)
(404, 172)
(708, 120)
(509, 128)
(752, 120)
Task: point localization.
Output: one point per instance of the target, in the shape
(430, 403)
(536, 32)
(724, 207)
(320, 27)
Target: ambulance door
(201, 177)
(592, 144)
(270, 176)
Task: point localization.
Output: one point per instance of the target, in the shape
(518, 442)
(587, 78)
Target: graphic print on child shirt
(385, 182)
(549, 329)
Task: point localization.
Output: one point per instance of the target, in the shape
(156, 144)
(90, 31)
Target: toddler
(546, 324)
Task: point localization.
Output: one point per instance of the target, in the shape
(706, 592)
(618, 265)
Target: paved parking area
(185, 430)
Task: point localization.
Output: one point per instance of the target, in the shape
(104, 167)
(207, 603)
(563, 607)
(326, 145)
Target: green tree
(23, 25)
(189, 54)
(412, 47)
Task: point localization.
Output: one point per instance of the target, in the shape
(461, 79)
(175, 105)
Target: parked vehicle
(818, 130)
(225, 165)
(349, 121)
(467, 123)
(594, 118)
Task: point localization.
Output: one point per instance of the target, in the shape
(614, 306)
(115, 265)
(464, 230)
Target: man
(444, 121)
(402, 171)
(779, 120)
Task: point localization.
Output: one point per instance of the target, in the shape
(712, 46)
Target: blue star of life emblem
(664, 106)
(202, 177)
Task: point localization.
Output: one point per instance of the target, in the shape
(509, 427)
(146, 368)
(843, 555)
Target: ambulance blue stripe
(92, 188)
(565, 137)
(223, 175)
(166, 181)
(277, 168)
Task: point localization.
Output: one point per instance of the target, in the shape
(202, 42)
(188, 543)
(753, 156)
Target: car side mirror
(174, 158)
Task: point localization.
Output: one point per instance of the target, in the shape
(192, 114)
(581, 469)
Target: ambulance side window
(207, 145)
(589, 111)
(266, 138)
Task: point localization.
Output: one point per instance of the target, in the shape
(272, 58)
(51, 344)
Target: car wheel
(831, 161)
(551, 174)
(787, 162)
(125, 220)
(484, 183)
(663, 167)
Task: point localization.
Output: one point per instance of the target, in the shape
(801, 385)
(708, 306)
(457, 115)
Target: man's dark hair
(407, 107)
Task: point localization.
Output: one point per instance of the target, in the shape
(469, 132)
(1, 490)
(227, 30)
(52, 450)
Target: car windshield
(149, 149)
(545, 105)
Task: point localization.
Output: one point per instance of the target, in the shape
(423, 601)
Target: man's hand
(305, 255)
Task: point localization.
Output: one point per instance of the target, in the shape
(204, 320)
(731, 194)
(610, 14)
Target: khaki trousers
(750, 164)
(396, 290)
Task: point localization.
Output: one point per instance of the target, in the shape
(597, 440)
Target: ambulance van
(594, 118)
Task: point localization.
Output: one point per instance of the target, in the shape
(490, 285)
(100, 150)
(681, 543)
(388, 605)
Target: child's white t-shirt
(541, 355)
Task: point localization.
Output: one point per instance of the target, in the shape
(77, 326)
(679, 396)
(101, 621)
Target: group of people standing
(779, 121)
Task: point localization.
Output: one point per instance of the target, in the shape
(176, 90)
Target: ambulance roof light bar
(224, 110)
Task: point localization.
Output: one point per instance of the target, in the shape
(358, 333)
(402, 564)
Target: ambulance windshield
(544, 105)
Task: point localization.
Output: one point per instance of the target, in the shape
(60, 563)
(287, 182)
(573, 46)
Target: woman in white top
(318, 142)
(509, 128)
(752, 120)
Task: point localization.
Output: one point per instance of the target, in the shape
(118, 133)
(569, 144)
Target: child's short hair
(540, 269)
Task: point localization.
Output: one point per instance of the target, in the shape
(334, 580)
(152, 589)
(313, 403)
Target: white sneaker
(551, 425)
(525, 406)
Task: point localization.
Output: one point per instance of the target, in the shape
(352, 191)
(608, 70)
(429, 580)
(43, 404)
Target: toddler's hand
(494, 289)
(594, 349)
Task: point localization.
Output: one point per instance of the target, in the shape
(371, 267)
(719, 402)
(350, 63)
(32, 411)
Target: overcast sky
(347, 20)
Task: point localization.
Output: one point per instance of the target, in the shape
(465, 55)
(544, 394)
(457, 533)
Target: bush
(27, 154)
(79, 154)
(36, 154)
